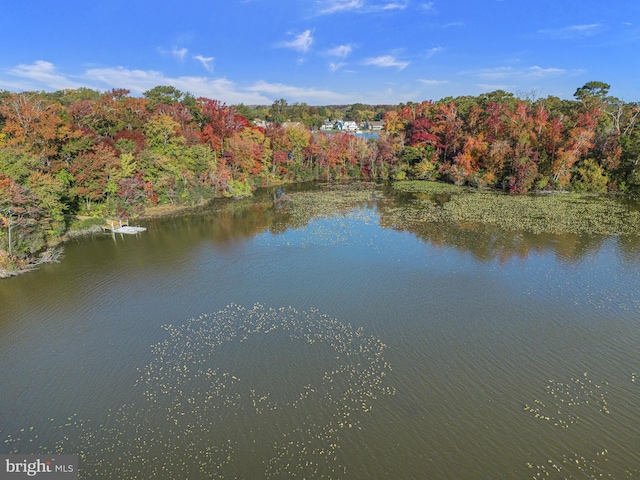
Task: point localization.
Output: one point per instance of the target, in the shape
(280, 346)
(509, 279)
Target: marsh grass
(555, 214)
(78, 227)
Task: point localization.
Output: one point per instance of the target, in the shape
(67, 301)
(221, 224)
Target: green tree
(163, 94)
(17, 163)
(69, 96)
(299, 112)
(246, 112)
(592, 90)
(163, 133)
(589, 177)
(279, 111)
(629, 169)
(49, 191)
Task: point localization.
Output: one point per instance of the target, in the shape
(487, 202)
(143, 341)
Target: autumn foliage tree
(515, 144)
(19, 216)
(111, 153)
(219, 122)
(90, 172)
(36, 124)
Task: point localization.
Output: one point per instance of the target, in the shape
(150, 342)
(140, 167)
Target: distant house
(349, 126)
(374, 125)
(327, 125)
(341, 125)
(260, 123)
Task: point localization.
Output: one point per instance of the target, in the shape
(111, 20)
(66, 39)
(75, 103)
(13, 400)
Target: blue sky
(322, 52)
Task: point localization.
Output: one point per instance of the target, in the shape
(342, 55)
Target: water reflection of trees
(229, 222)
(629, 247)
(486, 242)
(224, 224)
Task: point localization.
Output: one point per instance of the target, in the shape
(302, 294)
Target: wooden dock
(122, 227)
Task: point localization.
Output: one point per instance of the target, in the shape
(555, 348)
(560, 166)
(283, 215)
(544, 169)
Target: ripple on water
(197, 416)
(594, 450)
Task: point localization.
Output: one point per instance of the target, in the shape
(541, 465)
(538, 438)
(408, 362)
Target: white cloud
(119, 77)
(386, 61)
(139, 81)
(205, 61)
(299, 94)
(342, 51)
(428, 7)
(42, 73)
(333, 6)
(314, 96)
(538, 72)
(434, 51)
(453, 25)
(175, 52)
(509, 72)
(360, 6)
(45, 76)
(334, 67)
(490, 87)
(572, 31)
(387, 96)
(431, 83)
(494, 73)
(394, 6)
(179, 53)
(301, 42)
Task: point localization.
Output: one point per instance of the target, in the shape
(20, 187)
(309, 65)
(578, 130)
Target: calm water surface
(229, 345)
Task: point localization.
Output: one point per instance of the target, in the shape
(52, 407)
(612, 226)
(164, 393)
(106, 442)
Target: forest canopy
(112, 154)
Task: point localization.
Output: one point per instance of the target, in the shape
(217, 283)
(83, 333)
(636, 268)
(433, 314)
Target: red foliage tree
(448, 128)
(244, 157)
(90, 172)
(420, 133)
(219, 122)
(134, 136)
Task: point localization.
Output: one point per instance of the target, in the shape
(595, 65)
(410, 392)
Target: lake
(265, 341)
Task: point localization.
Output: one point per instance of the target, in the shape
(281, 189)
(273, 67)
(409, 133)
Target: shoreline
(54, 250)
(159, 211)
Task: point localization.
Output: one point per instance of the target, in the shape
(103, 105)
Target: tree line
(112, 154)
(498, 140)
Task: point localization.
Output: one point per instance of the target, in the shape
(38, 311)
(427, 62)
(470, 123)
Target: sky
(322, 52)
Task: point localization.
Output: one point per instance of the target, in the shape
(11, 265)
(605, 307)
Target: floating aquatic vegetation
(200, 416)
(556, 214)
(565, 405)
(345, 230)
(575, 466)
(331, 201)
(430, 188)
(568, 401)
(334, 215)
